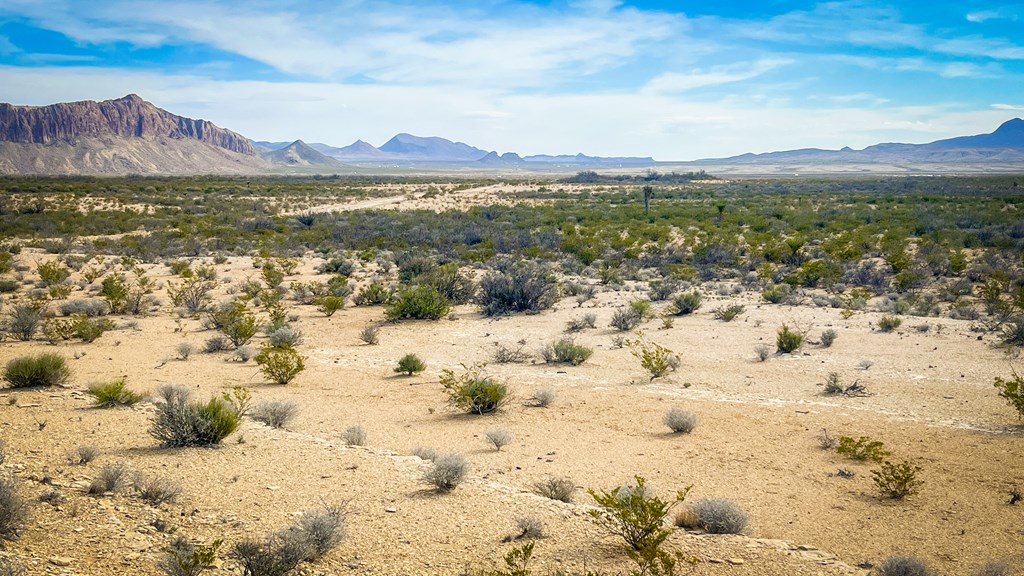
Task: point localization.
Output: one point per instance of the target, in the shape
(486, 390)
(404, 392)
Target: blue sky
(673, 80)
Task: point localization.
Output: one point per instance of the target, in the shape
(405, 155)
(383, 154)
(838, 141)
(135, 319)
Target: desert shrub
(84, 454)
(776, 293)
(680, 421)
(499, 437)
(763, 352)
(527, 527)
(113, 393)
(410, 364)
(318, 531)
(1013, 332)
(654, 358)
(626, 319)
(111, 478)
(370, 334)
(566, 351)
(46, 369)
(179, 421)
(374, 294)
(834, 386)
(449, 281)
(354, 436)
(889, 323)
(275, 413)
(185, 349)
(244, 353)
(424, 453)
(13, 509)
(87, 307)
(863, 448)
(280, 365)
(524, 287)
(542, 397)
(828, 337)
(89, 329)
(634, 515)
(474, 391)
(285, 336)
(235, 321)
(729, 313)
(52, 272)
(993, 569)
(10, 568)
(897, 481)
(23, 322)
(336, 265)
(904, 566)
(328, 305)
(9, 286)
(447, 471)
(560, 489)
(720, 516)
(216, 344)
(275, 556)
(1012, 390)
(184, 558)
(787, 341)
(156, 491)
(826, 440)
(192, 294)
(588, 320)
(687, 302)
(418, 303)
(507, 355)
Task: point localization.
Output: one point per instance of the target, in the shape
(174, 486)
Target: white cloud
(1008, 106)
(674, 82)
(1001, 13)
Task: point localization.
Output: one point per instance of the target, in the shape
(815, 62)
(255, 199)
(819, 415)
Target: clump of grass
(904, 566)
(720, 516)
(46, 369)
(566, 351)
(560, 489)
(499, 437)
(447, 471)
(527, 527)
(216, 344)
(318, 531)
(729, 313)
(897, 481)
(834, 386)
(84, 454)
(542, 397)
(680, 421)
(274, 556)
(588, 320)
(626, 319)
(370, 334)
(826, 440)
(787, 340)
(687, 302)
(110, 478)
(889, 323)
(763, 352)
(275, 413)
(354, 436)
(507, 355)
(13, 509)
(157, 490)
(113, 393)
(185, 349)
(410, 364)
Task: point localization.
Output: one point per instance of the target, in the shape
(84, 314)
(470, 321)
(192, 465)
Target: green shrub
(8, 286)
(336, 265)
(729, 313)
(863, 448)
(473, 391)
(410, 364)
(787, 341)
(115, 291)
(45, 369)
(374, 294)
(776, 293)
(89, 329)
(185, 558)
(524, 287)
(13, 509)
(53, 273)
(687, 302)
(1012, 390)
(181, 422)
(235, 321)
(113, 393)
(654, 358)
(328, 305)
(418, 303)
(280, 365)
(720, 516)
(566, 351)
(889, 323)
(449, 282)
(897, 481)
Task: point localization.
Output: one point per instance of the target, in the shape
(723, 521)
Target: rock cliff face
(128, 117)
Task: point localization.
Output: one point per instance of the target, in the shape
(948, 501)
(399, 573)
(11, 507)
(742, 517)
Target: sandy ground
(932, 402)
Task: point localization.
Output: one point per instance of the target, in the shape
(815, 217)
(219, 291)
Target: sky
(673, 80)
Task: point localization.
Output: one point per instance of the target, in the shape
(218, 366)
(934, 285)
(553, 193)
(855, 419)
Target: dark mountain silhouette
(299, 153)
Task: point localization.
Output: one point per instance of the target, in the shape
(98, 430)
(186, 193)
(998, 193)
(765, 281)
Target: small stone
(391, 510)
(60, 561)
(736, 561)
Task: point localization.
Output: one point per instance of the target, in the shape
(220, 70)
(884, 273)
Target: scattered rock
(60, 561)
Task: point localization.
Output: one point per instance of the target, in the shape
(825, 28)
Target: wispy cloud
(1008, 106)
(674, 82)
(1001, 13)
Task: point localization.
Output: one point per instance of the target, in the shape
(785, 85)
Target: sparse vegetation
(542, 397)
(275, 413)
(474, 391)
(446, 472)
(113, 393)
(787, 340)
(13, 509)
(863, 448)
(897, 481)
(720, 516)
(507, 355)
(370, 335)
(410, 364)
(763, 352)
(828, 337)
(680, 421)
(499, 437)
(179, 421)
(904, 566)
(280, 365)
(555, 488)
(626, 319)
(156, 490)
(654, 358)
(1012, 390)
(185, 558)
(185, 349)
(889, 323)
(354, 436)
(566, 351)
(110, 478)
(729, 313)
(522, 287)
(44, 370)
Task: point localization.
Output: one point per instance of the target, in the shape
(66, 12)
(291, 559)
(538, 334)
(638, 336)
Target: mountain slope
(122, 136)
(299, 153)
(432, 149)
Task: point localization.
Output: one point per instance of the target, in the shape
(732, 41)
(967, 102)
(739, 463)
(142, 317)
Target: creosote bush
(863, 448)
(889, 323)
(410, 364)
(787, 340)
(328, 305)
(1012, 390)
(904, 566)
(46, 369)
(474, 391)
(113, 393)
(680, 421)
(446, 472)
(897, 481)
(566, 351)
(720, 516)
(654, 358)
(185, 558)
(181, 422)
(523, 287)
(275, 413)
(418, 303)
(280, 364)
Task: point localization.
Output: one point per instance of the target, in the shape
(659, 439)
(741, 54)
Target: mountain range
(131, 136)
